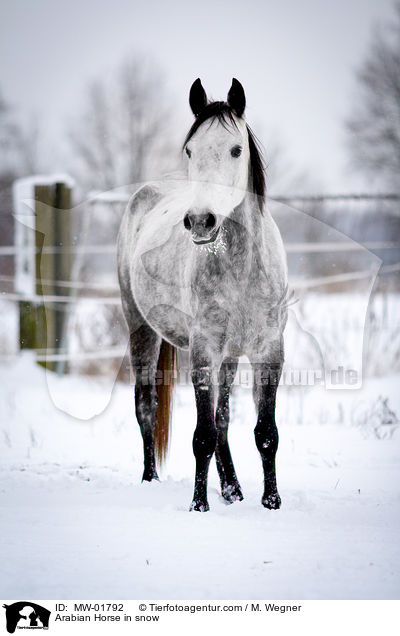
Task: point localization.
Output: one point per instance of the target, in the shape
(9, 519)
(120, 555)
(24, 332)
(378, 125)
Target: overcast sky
(295, 58)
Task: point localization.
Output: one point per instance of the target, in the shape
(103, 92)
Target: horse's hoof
(273, 501)
(150, 475)
(200, 506)
(232, 493)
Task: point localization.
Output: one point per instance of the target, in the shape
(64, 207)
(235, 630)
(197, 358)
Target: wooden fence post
(63, 238)
(42, 323)
(44, 224)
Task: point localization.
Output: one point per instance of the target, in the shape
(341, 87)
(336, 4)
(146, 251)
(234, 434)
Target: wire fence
(107, 293)
(115, 300)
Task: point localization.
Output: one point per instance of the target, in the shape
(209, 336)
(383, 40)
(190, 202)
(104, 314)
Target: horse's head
(223, 161)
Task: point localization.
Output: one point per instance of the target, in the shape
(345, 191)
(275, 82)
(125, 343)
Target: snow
(26, 184)
(77, 522)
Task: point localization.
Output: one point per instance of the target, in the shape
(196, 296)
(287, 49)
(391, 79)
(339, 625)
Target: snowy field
(77, 523)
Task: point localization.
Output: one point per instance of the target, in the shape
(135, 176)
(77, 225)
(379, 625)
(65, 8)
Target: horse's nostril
(211, 220)
(186, 222)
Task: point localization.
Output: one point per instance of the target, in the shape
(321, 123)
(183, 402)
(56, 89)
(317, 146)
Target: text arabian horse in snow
(202, 266)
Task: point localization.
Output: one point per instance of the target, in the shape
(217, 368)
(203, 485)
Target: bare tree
(7, 132)
(121, 136)
(374, 126)
(19, 143)
(18, 158)
(284, 176)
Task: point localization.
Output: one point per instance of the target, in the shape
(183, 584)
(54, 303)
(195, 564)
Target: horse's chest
(235, 312)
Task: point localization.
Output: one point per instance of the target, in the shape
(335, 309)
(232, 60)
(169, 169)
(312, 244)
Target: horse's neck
(249, 216)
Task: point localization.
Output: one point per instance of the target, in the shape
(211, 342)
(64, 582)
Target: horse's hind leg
(266, 380)
(145, 347)
(230, 487)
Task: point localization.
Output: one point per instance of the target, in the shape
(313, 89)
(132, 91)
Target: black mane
(223, 112)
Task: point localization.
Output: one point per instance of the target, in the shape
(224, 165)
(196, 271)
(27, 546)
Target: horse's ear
(197, 97)
(236, 98)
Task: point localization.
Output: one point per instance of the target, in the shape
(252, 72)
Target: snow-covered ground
(77, 523)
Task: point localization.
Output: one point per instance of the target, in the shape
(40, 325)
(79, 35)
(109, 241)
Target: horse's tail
(165, 384)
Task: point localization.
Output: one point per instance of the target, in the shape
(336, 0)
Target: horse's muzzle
(202, 226)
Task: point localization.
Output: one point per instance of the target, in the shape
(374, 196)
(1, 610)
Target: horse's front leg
(230, 487)
(205, 434)
(266, 380)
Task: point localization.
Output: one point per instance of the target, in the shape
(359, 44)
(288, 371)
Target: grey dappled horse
(202, 267)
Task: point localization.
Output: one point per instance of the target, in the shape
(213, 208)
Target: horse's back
(150, 251)
(140, 204)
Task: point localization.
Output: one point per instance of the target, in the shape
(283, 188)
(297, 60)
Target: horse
(201, 266)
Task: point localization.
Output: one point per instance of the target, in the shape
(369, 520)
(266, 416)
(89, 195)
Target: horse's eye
(236, 151)
(188, 152)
